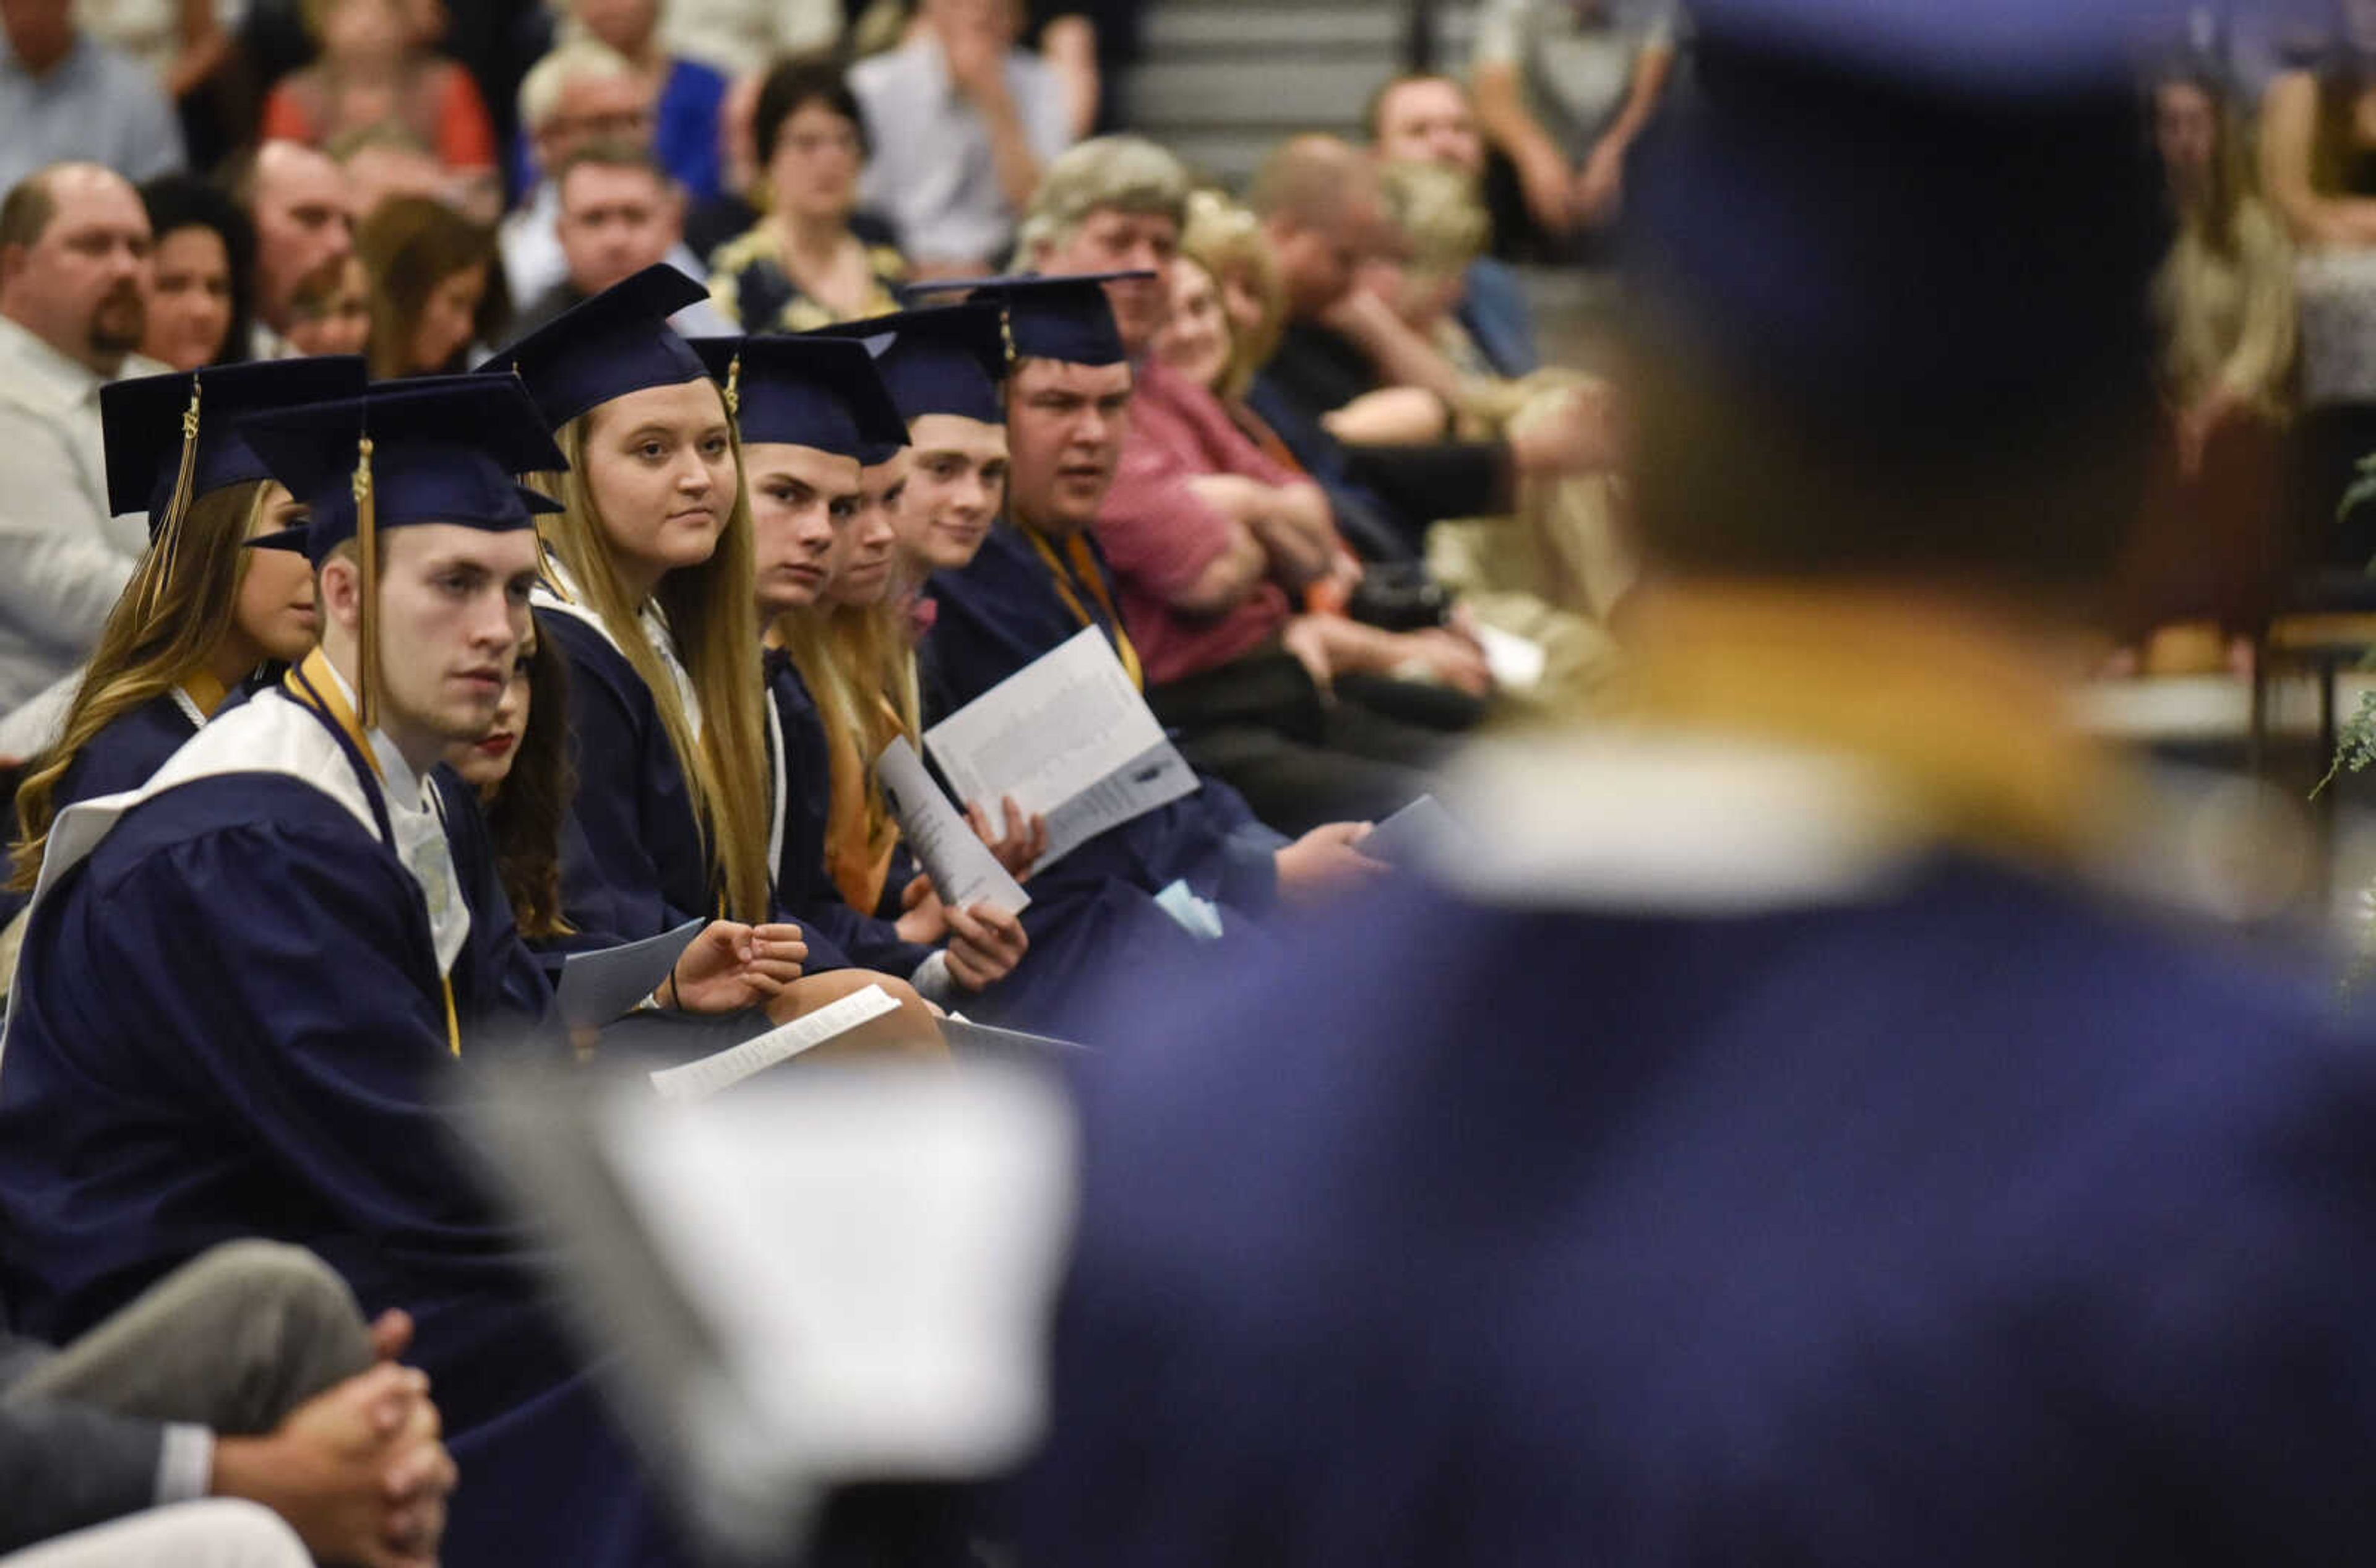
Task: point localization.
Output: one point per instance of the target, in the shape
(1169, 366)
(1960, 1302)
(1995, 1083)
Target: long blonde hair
(860, 666)
(170, 621)
(712, 615)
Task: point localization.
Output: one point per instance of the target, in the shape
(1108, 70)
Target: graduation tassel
(367, 559)
(734, 387)
(177, 504)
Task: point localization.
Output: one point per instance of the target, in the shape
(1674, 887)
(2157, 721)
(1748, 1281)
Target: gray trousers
(231, 1341)
(220, 1532)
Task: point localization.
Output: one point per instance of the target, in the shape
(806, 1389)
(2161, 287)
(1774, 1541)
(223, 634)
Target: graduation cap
(436, 449)
(819, 392)
(619, 341)
(1048, 319)
(1896, 217)
(172, 439)
(940, 360)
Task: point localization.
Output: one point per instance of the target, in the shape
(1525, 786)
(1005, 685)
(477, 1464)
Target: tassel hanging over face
(177, 504)
(367, 561)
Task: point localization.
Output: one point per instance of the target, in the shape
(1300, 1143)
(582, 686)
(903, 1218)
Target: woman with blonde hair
(651, 594)
(211, 601)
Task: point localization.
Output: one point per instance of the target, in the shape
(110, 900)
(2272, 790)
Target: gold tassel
(1007, 334)
(177, 505)
(367, 559)
(734, 387)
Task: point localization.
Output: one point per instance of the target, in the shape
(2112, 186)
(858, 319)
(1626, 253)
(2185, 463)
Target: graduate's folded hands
(358, 1471)
(731, 966)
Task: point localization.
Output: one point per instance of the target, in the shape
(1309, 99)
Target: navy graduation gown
(1001, 612)
(128, 750)
(228, 1022)
(1971, 1221)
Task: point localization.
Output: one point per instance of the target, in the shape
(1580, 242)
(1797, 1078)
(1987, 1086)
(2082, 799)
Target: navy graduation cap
(172, 439)
(819, 392)
(939, 360)
(1048, 319)
(619, 341)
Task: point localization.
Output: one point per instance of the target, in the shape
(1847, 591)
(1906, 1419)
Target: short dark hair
(25, 214)
(184, 201)
(612, 154)
(791, 85)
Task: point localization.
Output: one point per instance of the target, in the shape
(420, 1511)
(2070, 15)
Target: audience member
(75, 259)
(245, 1374)
(729, 35)
(65, 97)
(373, 70)
(685, 93)
(387, 159)
(436, 288)
(330, 312)
(1428, 119)
(619, 214)
(800, 266)
(709, 224)
(305, 218)
(201, 304)
(580, 93)
(1564, 90)
(961, 123)
(2225, 295)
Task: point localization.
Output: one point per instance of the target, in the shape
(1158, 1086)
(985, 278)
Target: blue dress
(228, 1022)
(1975, 1219)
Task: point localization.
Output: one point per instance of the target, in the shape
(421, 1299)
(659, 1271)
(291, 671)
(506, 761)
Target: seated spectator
(331, 310)
(303, 212)
(1428, 119)
(1564, 90)
(619, 214)
(2225, 296)
(1066, 35)
(962, 122)
(65, 97)
(201, 302)
(387, 159)
(74, 264)
(800, 266)
(685, 93)
(729, 35)
(248, 1373)
(436, 288)
(372, 72)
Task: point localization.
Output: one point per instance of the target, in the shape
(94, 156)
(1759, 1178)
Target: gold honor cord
(177, 504)
(367, 561)
(1085, 566)
(312, 685)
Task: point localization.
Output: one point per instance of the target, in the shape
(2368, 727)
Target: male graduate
(1775, 1141)
(1037, 579)
(245, 986)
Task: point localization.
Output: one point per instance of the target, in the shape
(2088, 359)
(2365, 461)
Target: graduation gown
(1618, 1201)
(127, 752)
(231, 1020)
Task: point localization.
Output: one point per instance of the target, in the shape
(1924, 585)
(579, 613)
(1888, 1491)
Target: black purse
(1399, 596)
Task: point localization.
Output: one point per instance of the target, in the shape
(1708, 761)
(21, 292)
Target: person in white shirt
(74, 258)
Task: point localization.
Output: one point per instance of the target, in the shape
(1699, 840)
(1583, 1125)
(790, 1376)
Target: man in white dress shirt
(74, 279)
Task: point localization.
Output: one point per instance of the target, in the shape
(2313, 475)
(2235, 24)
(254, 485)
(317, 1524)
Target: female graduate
(203, 611)
(808, 411)
(650, 596)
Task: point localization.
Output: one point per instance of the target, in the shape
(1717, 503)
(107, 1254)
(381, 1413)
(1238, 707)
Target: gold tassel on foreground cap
(367, 561)
(734, 387)
(177, 505)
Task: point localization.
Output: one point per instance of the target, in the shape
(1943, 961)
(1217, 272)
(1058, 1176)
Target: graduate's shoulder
(248, 826)
(593, 657)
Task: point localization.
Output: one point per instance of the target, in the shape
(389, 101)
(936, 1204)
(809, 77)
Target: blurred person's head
(1227, 240)
(1443, 228)
(1319, 203)
(627, 26)
(331, 310)
(1001, 18)
(303, 213)
(1113, 204)
(1196, 339)
(1065, 426)
(75, 263)
(2201, 154)
(1424, 118)
(360, 32)
(383, 160)
(435, 286)
(1957, 407)
(40, 32)
(810, 140)
(619, 213)
(583, 91)
(198, 298)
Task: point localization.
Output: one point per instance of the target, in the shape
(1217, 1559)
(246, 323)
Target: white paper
(1516, 663)
(1067, 736)
(963, 870)
(699, 1080)
(878, 1252)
